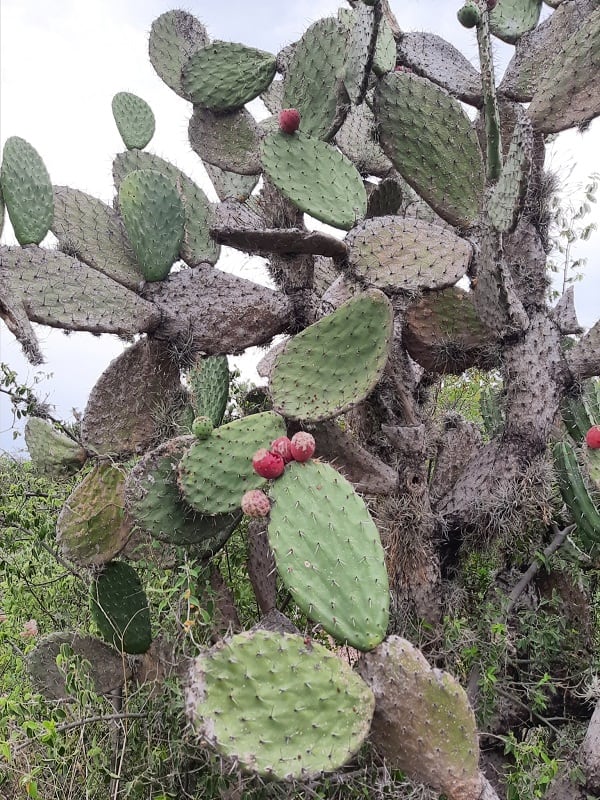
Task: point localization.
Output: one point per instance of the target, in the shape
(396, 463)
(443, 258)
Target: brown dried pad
(444, 334)
(119, 416)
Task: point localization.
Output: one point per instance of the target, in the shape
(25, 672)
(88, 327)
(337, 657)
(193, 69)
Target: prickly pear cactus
(438, 265)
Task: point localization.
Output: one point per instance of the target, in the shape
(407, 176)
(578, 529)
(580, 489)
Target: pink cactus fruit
(256, 503)
(282, 447)
(592, 437)
(289, 120)
(302, 446)
(267, 465)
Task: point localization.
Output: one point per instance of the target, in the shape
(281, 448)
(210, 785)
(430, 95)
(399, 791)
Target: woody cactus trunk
(437, 264)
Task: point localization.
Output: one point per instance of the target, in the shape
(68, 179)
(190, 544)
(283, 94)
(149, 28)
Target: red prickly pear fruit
(592, 438)
(267, 465)
(282, 447)
(256, 503)
(289, 120)
(302, 446)
(402, 68)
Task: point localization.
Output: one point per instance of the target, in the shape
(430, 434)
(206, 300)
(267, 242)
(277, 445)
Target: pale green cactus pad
(360, 49)
(104, 665)
(357, 139)
(154, 218)
(506, 198)
(215, 473)
(423, 723)
(510, 19)
(196, 246)
(384, 58)
(278, 705)
(231, 184)
(89, 229)
(432, 144)
(402, 254)
(153, 500)
(119, 608)
(224, 75)
(335, 363)
(208, 381)
(134, 119)
(92, 526)
(568, 93)
(226, 140)
(27, 191)
(316, 177)
(174, 37)
(52, 452)
(328, 553)
(312, 81)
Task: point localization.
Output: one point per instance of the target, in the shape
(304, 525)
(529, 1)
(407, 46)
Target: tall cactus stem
(490, 100)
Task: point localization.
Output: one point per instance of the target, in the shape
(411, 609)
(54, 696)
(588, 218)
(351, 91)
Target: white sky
(62, 61)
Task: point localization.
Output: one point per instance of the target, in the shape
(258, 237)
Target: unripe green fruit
(202, 427)
(469, 15)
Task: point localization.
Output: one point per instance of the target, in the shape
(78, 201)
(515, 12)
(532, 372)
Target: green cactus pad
(224, 75)
(444, 334)
(328, 553)
(208, 381)
(576, 495)
(316, 177)
(568, 93)
(228, 141)
(230, 184)
(215, 473)
(134, 119)
(119, 608)
(431, 143)
(335, 363)
(592, 464)
(312, 81)
(93, 232)
(106, 668)
(174, 37)
(402, 254)
(196, 246)
(57, 290)
(119, 417)
(27, 191)
(357, 139)
(153, 500)
(510, 19)
(52, 452)
(506, 199)
(92, 527)
(360, 49)
(423, 723)
(278, 705)
(154, 218)
(384, 58)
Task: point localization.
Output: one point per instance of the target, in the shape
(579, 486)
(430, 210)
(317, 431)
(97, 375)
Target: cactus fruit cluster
(368, 134)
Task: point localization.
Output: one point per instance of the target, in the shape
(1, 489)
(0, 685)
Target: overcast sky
(62, 61)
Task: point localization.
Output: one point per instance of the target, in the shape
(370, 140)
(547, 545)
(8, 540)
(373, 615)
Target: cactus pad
(208, 381)
(510, 19)
(360, 50)
(431, 143)
(105, 666)
(357, 139)
(506, 199)
(174, 37)
(224, 75)
(52, 452)
(335, 363)
(278, 705)
(316, 177)
(154, 217)
(423, 722)
(403, 254)
(196, 246)
(576, 495)
(119, 608)
(568, 93)
(444, 334)
(153, 500)
(215, 473)
(92, 527)
(27, 191)
(119, 415)
(134, 119)
(228, 141)
(231, 184)
(328, 553)
(312, 82)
